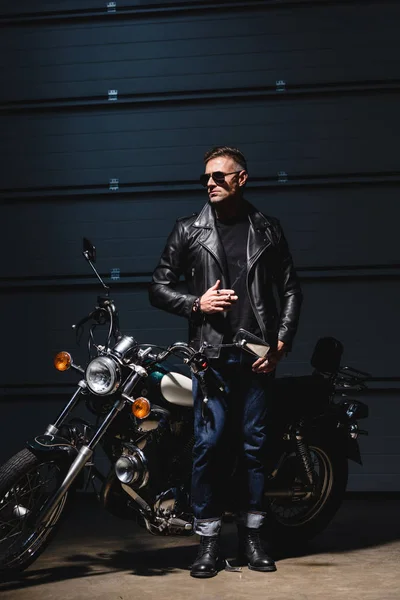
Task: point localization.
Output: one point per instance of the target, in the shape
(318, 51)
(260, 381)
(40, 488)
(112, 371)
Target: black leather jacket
(194, 249)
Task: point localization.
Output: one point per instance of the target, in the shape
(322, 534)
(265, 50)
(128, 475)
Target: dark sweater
(233, 234)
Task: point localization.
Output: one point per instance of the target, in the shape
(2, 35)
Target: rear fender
(335, 429)
(353, 450)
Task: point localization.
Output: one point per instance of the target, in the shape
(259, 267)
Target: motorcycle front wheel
(26, 483)
(292, 521)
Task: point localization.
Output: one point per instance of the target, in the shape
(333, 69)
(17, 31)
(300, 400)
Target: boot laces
(254, 541)
(208, 545)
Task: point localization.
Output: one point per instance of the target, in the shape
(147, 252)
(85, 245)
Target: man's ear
(243, 175)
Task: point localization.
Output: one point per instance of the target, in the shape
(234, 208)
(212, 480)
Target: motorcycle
(144, 413)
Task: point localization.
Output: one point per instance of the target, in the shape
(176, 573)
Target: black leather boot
(252, 551)
(207, 559)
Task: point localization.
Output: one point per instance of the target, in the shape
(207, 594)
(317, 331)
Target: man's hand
(216, 300)
(269, 363)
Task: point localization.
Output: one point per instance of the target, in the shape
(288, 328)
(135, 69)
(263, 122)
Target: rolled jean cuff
(207, 527)
(251, 520)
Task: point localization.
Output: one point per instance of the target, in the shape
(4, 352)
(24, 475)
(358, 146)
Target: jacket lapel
(209, 237)
(259, 236)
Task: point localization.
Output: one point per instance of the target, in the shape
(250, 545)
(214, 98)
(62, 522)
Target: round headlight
(103, 376)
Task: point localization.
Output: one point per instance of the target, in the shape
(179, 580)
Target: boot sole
(263, 569)
(203, 575)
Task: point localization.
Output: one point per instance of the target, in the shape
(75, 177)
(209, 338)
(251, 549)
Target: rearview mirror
(89, 250)
(251, 343)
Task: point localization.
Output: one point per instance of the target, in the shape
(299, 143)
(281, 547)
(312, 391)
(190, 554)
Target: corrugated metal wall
(109, 95)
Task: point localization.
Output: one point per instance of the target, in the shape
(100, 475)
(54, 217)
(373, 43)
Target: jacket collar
(259, 234)
(206, 218)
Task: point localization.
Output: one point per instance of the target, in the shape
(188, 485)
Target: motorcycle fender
(52, 446)
(353, 451)
(328, 426)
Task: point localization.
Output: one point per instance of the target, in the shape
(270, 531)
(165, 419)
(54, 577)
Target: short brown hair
(230, 151)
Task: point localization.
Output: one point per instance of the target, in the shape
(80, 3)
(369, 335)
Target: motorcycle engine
(132, 467)
(155, 473)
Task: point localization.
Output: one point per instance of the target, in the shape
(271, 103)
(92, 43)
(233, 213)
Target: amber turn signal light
(62, 361)
(141, 408)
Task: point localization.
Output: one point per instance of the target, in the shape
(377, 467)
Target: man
(231, 257)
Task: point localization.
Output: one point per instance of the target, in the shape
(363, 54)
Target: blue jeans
(231, 431)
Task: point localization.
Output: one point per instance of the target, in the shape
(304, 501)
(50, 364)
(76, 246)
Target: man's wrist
(196, 306)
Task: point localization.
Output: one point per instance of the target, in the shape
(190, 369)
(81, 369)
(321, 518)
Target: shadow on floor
(153, 562)
(364, 521)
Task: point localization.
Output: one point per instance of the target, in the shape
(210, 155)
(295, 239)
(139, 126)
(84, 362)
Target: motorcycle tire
(291, 522)
(26, 483)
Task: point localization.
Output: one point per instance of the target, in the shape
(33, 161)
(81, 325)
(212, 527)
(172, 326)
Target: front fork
(84, 455)
(86, 452)
(53, 429)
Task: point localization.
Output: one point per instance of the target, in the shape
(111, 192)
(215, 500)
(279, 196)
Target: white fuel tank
(177, 389)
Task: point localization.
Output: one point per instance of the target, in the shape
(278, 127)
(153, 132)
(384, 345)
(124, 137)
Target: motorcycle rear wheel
(294, 521)
(26, 483)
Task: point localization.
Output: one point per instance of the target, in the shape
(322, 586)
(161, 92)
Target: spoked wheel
(26, 483)
(294, 520)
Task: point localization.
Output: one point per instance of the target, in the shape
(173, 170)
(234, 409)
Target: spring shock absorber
(304, 454)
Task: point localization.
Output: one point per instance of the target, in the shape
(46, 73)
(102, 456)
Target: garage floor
(98, 556)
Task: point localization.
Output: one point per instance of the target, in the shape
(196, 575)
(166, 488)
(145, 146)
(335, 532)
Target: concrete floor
(98, 556)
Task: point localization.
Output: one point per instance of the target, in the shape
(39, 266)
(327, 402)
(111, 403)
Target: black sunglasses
(218, 177)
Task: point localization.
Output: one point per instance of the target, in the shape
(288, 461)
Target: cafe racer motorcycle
(143, 417)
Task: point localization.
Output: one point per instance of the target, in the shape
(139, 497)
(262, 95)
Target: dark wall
(94, 100)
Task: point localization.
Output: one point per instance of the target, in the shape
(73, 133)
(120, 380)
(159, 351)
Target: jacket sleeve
(289, 290)
(162, 292)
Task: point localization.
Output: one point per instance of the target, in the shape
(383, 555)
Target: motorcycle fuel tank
(177, 389)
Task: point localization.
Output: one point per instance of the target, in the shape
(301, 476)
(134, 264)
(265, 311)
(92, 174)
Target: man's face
(231, 187)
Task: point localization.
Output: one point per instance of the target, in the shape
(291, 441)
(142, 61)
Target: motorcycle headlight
(103, 376)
